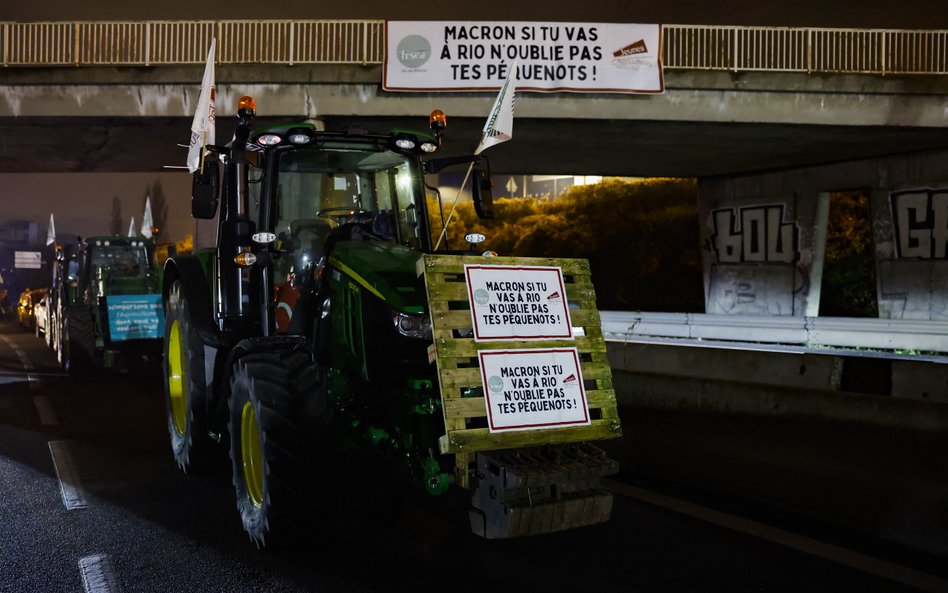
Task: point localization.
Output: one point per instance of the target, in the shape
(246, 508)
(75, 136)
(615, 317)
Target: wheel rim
(251, 454)
(176, 379)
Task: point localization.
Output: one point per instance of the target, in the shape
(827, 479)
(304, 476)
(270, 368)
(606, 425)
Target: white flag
(131, 227)
(146, 221)
(202, 127)
(499, 125)
(51, 231)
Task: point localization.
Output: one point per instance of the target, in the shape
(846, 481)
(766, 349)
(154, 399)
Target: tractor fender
(189, 272)
(262, 344)
(241, 349)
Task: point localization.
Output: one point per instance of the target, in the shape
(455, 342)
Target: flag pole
(203, 144)
(501, 114)
(454, 206)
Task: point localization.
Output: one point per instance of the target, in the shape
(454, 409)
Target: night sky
(82, 202)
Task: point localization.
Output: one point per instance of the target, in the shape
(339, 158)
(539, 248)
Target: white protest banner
(517, 303)
(533, 389)
(551, 57)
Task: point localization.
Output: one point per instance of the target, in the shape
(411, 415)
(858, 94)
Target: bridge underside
(541, 146)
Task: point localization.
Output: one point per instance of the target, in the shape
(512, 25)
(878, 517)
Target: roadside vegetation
(640, 238)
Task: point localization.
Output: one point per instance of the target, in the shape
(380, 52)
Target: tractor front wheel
(185, 395)
(275, 402)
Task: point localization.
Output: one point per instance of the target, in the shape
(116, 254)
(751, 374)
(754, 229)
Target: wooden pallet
(459, 373)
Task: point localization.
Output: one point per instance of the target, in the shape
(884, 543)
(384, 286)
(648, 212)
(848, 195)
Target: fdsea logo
(413, 51)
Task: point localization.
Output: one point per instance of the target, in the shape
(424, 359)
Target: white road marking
(44, 408)
(97, 574)
(69, 484)
(862, 562)
(25, 361)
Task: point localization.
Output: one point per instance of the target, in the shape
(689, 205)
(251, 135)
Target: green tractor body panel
(386, 270)
(373, 286)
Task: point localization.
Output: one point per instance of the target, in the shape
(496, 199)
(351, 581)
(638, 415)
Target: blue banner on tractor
(135, 317)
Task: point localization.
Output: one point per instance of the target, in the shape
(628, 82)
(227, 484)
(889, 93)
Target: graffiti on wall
(920, 219)
(753, 290)
(754, 268)
(754, 234)
(913, 289)
(913, 262)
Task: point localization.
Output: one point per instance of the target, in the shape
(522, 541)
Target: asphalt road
(141, 525)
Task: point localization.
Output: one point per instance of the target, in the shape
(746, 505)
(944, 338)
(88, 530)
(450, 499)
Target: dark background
(920, 14)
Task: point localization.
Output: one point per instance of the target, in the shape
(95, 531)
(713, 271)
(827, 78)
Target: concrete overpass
(707, 123)
(771, 121)
(738, 99)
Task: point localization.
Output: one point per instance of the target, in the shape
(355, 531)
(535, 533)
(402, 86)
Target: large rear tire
(275, 407)
(78, 340)
(185, 386)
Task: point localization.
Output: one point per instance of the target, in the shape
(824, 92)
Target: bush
(641, 238)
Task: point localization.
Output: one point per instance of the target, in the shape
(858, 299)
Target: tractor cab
(294, 193)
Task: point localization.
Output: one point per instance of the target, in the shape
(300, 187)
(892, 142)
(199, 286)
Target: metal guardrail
(840, 332)
(684, 47)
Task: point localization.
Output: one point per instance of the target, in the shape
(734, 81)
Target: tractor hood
(386, 270)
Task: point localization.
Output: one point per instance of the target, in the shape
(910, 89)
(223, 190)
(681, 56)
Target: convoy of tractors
(327, 318)
(102, 309)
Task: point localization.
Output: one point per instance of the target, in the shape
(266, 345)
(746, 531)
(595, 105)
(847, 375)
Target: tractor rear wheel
(185, 393)
(275, 404)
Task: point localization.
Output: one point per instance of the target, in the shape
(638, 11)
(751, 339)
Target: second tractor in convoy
(105, 304)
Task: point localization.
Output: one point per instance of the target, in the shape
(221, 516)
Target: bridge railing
(149, 43)
(837, 332)
(776, 49)
(684, 47)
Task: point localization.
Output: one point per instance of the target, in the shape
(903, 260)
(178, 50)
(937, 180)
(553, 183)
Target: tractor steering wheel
(339, 211)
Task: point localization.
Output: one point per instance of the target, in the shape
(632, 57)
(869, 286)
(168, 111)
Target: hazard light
(246, 108)
(438, 120)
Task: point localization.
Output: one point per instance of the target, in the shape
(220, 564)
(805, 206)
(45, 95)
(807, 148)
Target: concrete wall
(845, 440)
(749, 221)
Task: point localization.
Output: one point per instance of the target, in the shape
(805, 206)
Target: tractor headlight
(405, 142)
(412, 326)
(269, 140)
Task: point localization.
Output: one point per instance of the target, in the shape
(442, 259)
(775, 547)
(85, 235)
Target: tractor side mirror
(204, 191)
(483, 194)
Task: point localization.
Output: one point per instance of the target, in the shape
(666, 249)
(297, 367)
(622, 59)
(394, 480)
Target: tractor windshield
(337, 183)
(122, 261)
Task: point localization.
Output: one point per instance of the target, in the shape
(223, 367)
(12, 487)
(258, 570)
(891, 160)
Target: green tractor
(309, 328)
(105, 305)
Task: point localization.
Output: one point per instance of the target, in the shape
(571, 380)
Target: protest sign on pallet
(520, 353)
